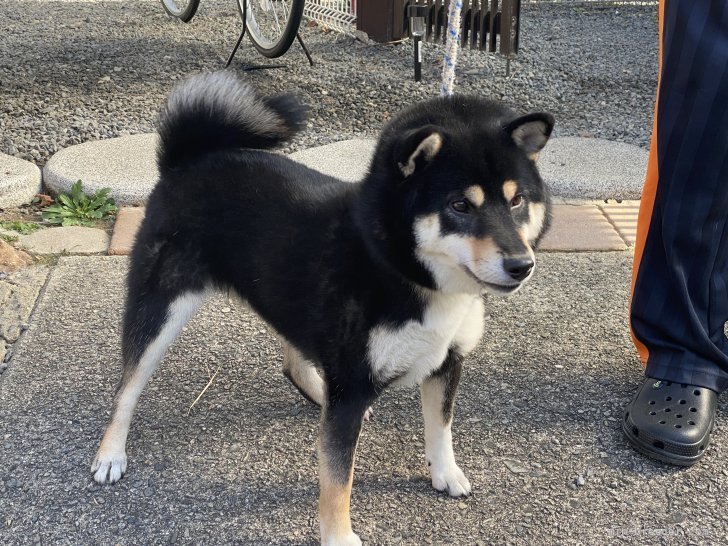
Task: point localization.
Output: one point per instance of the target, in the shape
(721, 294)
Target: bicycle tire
(287, 25)
(185, 13)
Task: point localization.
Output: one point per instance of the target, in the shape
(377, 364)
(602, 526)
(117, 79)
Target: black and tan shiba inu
(369, 284)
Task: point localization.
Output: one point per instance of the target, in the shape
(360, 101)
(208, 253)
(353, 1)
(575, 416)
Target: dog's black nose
(518, 267)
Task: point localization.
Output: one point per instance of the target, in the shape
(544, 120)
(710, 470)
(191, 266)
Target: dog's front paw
(108, 467)
(349, 539)
(450, 480)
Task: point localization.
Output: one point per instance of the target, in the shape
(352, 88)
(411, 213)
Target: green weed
(24, 228)
(78, 209)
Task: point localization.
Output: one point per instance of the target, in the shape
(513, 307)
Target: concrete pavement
(537, 431)
(537, 425)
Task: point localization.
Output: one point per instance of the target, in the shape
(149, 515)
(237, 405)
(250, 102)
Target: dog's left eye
(517, 200)
(460, 206)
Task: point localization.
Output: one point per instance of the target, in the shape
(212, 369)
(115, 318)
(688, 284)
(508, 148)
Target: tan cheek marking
(533, 157)
(429, 222)
(482, 249)
(523, 234)
(536, 217)
(427, 230)
(509, 189)
(475, 195)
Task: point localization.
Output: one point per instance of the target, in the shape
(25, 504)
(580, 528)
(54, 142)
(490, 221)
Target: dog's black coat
(324, 262)
(321, 260)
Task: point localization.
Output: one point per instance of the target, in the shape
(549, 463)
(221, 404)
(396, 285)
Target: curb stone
(18, 294)
(71, 240)
(128, 221)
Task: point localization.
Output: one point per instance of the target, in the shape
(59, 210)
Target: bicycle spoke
(270, 23)
(275, 14)
(179, 8)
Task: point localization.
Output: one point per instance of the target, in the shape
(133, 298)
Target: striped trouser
(680, 277)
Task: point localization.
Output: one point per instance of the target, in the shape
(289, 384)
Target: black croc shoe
(670, 422)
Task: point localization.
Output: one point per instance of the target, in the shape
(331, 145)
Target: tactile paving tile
(581, 228)
(623, 216)
(575, 228)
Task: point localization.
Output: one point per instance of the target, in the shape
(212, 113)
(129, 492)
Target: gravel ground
(79, 70)
(537, 430)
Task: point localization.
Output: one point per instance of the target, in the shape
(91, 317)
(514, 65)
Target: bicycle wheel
(182, 9)
(272, 24)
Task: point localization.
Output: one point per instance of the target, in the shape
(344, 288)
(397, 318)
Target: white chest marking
(411, 352)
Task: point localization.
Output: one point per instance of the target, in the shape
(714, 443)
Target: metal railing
(339, 15)
(594, 3)
(487, 25)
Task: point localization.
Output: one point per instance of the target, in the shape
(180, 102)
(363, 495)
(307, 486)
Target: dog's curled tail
(217, 111)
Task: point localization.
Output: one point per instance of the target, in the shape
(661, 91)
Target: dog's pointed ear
(531, 132)
(418, 148)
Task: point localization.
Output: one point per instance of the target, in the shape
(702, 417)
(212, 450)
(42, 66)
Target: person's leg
(680, 279)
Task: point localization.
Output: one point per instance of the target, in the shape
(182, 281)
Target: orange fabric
(648, 192)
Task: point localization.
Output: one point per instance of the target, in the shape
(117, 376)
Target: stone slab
(623, 216)
(580, 168)
(348, 159)
(126, 164)
(20, 180)
(128, 221)
(581, 228)
(66, 240)
(18, 293)
(592, 168)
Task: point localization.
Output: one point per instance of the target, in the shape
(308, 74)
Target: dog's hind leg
(340, 427)
(303, 374)
(306, 378)
(151, 325)
(438, 397)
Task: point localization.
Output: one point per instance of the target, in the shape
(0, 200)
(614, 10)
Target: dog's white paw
(108, 467)
(450, 480)
(368, 413)
(351, 539)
